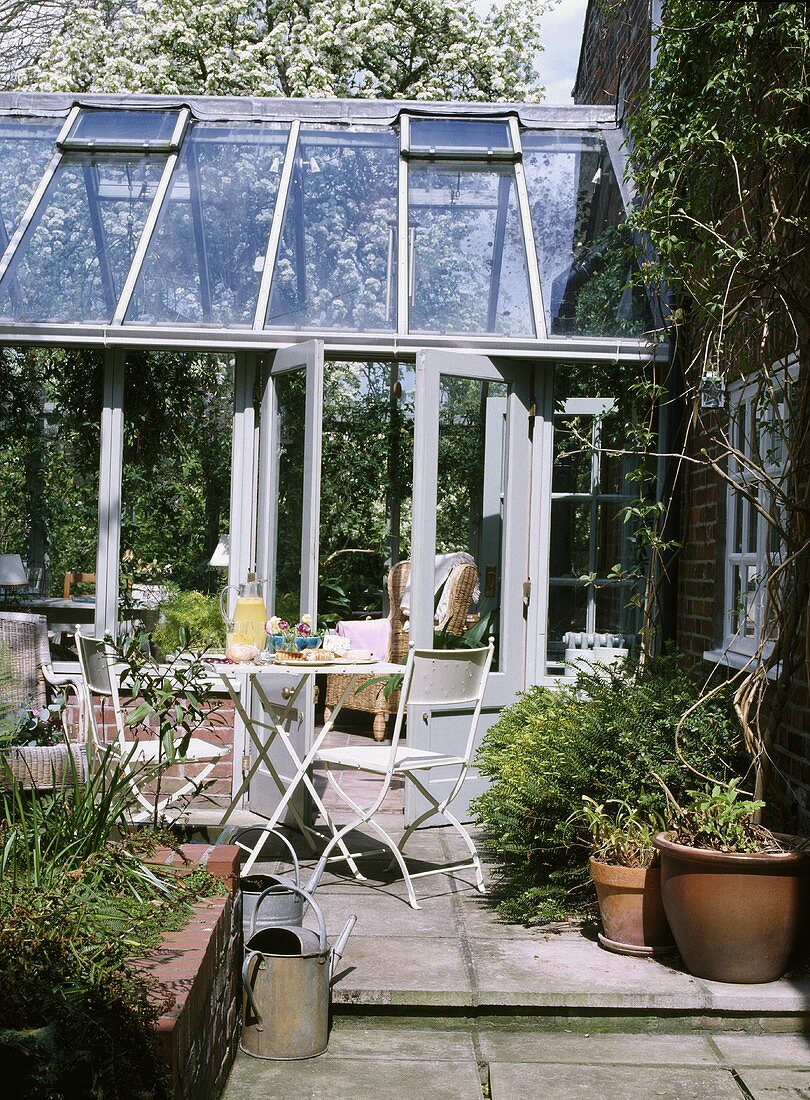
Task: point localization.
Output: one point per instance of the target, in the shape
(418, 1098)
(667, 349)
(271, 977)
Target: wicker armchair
(371, 700)
(26, 676)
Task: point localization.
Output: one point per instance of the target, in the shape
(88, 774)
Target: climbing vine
(721, 159)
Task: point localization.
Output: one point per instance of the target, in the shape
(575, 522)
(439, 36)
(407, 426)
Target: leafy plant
(608, 736)
(720, 819)
(30, 726)
(621, 835)
(189, 620)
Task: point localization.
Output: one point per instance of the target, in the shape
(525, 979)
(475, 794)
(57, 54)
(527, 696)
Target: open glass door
(287, 534)
(471, 487)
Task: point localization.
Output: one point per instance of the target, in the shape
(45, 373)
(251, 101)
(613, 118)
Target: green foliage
(620, 833)
(31, 726)
(606, 736)
(189, 619)
(717, 818)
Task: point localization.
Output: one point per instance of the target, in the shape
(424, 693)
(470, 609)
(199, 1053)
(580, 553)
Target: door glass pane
(571, 538)
(468, 260)
(285, 596)
(335, 267)
(205, 262)
(586, 257)
(72, 263)
(567, 613)
(26, 146)
(471, 487)
(366, 485)
(175, 495)
(49, 455)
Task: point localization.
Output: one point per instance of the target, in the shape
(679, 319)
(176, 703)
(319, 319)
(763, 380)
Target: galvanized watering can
(284, 905)
(286, 978)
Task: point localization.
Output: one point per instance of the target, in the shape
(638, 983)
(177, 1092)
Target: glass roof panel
(204, 262)
(124, 128)
(26, 146)
(467, 255)
(74, 257)
(585, 255)
(336, 262)
(459, 133)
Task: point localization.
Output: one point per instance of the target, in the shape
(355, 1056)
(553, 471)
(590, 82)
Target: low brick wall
(199, 967)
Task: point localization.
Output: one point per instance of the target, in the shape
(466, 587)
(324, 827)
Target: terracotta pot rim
(664, 844)
(619, 871)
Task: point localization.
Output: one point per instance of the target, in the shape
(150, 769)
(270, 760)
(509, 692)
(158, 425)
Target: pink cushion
(371, 634)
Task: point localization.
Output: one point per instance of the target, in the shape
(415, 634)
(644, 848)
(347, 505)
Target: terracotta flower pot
(735, 918)
(630, 904)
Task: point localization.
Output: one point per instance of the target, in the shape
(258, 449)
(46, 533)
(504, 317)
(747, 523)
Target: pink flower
(303, 629)
(283, 625)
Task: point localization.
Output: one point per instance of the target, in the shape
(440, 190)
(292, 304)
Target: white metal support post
(542, 463)
(243, 472)
(109, 493)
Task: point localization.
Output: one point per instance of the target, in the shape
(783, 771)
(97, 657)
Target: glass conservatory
(312, 338)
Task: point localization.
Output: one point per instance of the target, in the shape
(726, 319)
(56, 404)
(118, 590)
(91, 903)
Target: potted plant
(34, 750)
(736, 895)
(624, 869)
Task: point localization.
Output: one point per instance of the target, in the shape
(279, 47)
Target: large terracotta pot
(735, 918)
(632, 913)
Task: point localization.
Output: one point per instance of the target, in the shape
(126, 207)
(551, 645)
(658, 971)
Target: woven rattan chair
(371, 700)
(26, 680)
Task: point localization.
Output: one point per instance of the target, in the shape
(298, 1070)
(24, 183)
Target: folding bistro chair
(140, 759)
(434, 678)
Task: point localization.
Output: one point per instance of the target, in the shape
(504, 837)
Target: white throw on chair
(139, 758)
(434, 679)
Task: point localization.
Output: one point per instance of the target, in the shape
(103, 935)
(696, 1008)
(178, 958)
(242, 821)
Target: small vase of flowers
(284, 637)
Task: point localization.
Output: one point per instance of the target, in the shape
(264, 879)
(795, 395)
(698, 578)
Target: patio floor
(449, 1002)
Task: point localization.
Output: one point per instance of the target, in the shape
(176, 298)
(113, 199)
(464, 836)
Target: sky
(562, 33)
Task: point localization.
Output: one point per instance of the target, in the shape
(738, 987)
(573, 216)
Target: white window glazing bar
(111, 459)
(532, 265)
(243, 473)
(404, 256)
(73, 114)
(274, 240)
(152, 220)
(178, 133)
(30, 217)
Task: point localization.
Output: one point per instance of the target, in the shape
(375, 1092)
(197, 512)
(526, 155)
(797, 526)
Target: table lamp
(13, 574)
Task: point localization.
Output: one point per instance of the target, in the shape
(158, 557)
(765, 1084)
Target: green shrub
(604, 736)
(195, 614)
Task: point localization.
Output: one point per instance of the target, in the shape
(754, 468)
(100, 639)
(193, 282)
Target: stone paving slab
(564, 1082)
(765, 1050)
(396, 970)
(777, 1083)
(333, 1077)
(505, 1045)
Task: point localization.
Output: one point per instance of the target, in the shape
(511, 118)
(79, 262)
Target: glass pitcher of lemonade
(246, 625)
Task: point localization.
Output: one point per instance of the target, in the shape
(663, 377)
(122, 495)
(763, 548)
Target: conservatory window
(589, 537)
(89, 129)
(756, 464)
(436, 137)
(26, 146)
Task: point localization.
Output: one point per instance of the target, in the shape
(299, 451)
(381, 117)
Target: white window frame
(749, 561)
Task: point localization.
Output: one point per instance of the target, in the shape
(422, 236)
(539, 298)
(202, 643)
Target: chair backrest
(445, 678)
(72, 579)
(24, 651)
(398, 577)
(97, 661)
(456, 598)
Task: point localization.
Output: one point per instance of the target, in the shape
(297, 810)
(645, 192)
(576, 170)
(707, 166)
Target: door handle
(287, 693)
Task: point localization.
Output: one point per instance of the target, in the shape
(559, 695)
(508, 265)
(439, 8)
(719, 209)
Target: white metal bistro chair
(434, 679)
(139, 758)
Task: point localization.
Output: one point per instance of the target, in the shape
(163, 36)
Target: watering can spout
(340, 944)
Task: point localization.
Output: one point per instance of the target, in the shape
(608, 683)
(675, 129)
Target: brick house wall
(614, 68)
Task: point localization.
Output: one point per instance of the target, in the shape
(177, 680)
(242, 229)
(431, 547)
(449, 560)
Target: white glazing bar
(243, 473)
(426, 458)
(73, 114)
(542, 464)
(403, 258)
(108, 553)
(311, 505)
(146, 237)
(267, 514)
(274, 239)
(180, 128)
(532, 264)
(30, 212)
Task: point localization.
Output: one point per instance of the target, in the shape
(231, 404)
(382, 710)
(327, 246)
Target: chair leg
(380, 722)
(442, 811)
(327, 714)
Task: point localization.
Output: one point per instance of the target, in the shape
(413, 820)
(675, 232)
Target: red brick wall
(615, 52)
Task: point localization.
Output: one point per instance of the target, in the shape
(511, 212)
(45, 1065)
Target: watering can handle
(323, 945)
(293, 853)
(251, 955)
(223, 602)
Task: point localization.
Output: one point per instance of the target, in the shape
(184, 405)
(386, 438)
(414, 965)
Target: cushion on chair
(371, 634)
(199, 751)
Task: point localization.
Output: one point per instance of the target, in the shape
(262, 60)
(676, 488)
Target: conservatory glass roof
(147, 220)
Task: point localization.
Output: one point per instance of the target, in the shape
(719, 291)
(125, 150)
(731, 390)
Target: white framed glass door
(472, 462)
(287, 531)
